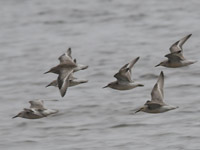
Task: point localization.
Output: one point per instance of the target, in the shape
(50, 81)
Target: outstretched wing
(66, 57)
(69, 52)
(124, 73)
(63, 80)
(177, 46)
(157, 93)
(122, 76)
(38, 104)
(132, 63)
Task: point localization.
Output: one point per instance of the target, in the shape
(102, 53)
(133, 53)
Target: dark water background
(105, 34)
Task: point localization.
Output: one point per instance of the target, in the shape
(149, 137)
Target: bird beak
(138, 110)
(157, 65)
(105, 86)
(47, 85)
(46, 72)
(15, 116)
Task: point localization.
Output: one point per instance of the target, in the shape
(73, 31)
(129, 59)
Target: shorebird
(156, 105)
(66, 56)
(124, 81)
(64, 70)
(72, 82)
(175, 57)
(35, 111)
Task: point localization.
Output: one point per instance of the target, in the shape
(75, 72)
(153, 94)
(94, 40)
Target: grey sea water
(104, 34)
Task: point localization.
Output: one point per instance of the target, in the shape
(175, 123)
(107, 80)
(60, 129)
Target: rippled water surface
(105, 34)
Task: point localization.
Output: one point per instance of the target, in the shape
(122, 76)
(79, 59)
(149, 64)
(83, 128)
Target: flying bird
(175, 57)
(156, 104)
(36, 111)
(123, 76)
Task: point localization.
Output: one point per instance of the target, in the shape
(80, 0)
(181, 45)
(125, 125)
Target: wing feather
(177, 46)
(157, 93)
(37, 104)
(124, 73)
(63, 80)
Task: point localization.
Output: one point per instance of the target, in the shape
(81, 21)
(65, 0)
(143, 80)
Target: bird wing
(63, 80)
(37, 104)
(124, 73)
(53, 83)
(66, 57)
(152, 105)
(132, 63)
(71, 77)
(177, 46)
(28, 110)
(157, 93)
(175, 57)
(69, 52)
